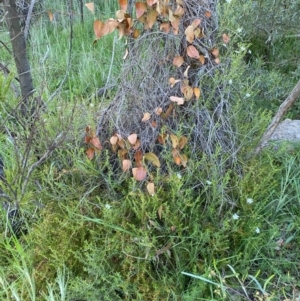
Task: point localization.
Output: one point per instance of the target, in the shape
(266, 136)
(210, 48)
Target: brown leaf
(50, 15)
(132, 138)
(137, 144)
(152, 158)
(217, 61)
(126, 164)
(91, 7)
(192, 52)
(179, 11)
(178, 61)
(182, 142)
(208, 14)
(138, 156)
(187, 92)
(140, 9)
(151, 2)
(136, 33)
(174, 140)
(159, 211)
(165, 27)
(189, 34)
(196, 23)
(226, 38)
(100, 29)
(184, 160)
(198, 32)
(139, 173)
(90, 152)
(202, 59)
(178, 100)
(173, 81)
(197, 92)
(122, 153)
(96, 143)
(123, 4)
(151, 18)
(153, 123)
(146, 117)
(215, 52)
(168, 112)
(158, 111)
(151, 188)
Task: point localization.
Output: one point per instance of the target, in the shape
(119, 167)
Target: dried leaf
(161, 139)
(121, 15)
(173, 81)
(136, 33)
(185, 73)
(91, 7)
(217, 61)
(189, 34)
(96, 143)
(187, 92)
(123, 4)
(151, 18)
(158, 111)
(215, 52)
(138, 157)
(113, 140)
(126, 53)
(132, 139)
(50, 15)
(165, 27)
(192, 52)
(151, 2)
(178, 100)
(140, 9)
(126, 164)
(139, 173)
(226, 38)
(208, 14)
(182, 142)
(175, 140)
(153, 123)
(179, 11)
(122, 153)
(201, 59)
(90, 152)
(184, 160)
(146, 117)
(197, 92)
(137, 144)
(100, 29)
(196, 23)
(152, 158)
(178, 61)
(151, 188)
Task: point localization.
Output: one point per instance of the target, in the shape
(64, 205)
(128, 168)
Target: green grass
(93, 233)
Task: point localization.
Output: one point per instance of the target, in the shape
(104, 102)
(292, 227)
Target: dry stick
(276, 119)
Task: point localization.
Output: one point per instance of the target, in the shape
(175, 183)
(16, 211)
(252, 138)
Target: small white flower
(107, 206)
(230, 82)
(92, 105)
(249, 51)
(248, 95)
(240, 29)
(179, 176)
(249, 201)
(235, 216)
(208, 182)
(257, 230)
(228, 1)
(243, 48)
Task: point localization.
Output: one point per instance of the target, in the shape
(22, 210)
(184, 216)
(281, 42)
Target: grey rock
(287, 130)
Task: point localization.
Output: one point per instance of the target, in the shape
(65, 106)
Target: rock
(287, 130)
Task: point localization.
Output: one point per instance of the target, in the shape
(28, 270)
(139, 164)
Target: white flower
(249, 51)
(248, 95)
(249, 201)
(235, 216)
(240, 29)
(92, 105)
(228, 1)
(230, 82)
(107, 206)
(243, 48)
(257, 230)
(179, 176)
(208, 182)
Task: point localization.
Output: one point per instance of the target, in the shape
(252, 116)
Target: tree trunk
(20, 54)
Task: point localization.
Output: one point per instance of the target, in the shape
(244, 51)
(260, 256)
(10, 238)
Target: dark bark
(20, 53)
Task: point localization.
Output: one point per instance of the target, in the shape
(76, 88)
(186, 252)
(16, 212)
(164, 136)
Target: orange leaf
(90, 152)
(146, 117)
(189, 34)
(151, 18)
(192, 52)
(178, 61)
(161, 139)
(123, 4)
(226, 38)
(208, 14)
(152, 158)
(173, 81)
(139, 173)
(202, 59)
(96, 143)
(91, 7)
(138, 156)
(136, 33)
(100, 29)
(215, 52)
(197, 92)
(178, 100)
(126, 164)
(174, 140)
(165, 27)
(140, 9)
(151, 188)
(132, 139)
